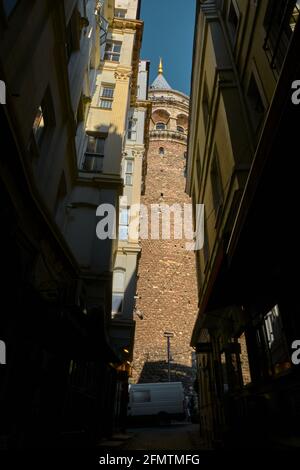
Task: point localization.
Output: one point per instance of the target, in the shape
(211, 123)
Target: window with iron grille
(106, 96)
(113, 51)
(272, 344)
(280, 22)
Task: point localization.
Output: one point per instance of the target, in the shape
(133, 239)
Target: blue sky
(169, 32)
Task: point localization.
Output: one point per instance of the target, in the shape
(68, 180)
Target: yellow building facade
(240, 53)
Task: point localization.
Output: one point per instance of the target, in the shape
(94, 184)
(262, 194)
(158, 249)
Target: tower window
(161, 151)
(180, 129)
(160, 126)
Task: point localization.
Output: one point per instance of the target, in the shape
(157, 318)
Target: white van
(164, 400)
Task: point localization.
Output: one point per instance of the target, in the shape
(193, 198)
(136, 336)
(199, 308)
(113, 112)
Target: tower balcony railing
(168, 134)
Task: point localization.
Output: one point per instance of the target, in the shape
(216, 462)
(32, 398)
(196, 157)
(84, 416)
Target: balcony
(280, 22)
(168, 134)
(93, 162)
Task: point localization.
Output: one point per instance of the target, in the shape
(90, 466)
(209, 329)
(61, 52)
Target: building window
(80, 114)
(280, 22)
(272, 344)
(44, 119)
(113, 51)
(131, 133)
(39, 125)
(180, 129)
(205, 245)
(120, 12)
(106, 96)
(161, 151)
(119, 280)
(117, 303)
(256, 104)
(94, 155)
(233, 21)
(128, 172)
(216, 183)
(205, 105)
(73, 35)
(9, 6)
(61, 193)
(123, 224)
(198, 166)
(160, 126)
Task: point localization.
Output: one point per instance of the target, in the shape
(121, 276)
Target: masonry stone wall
(166, 288)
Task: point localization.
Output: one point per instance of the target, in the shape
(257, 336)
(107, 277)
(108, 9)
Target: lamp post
(168, 335)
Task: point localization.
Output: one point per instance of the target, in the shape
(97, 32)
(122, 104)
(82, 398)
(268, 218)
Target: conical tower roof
(160, 83)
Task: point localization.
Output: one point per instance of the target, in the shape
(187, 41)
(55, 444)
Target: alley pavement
(183, 436)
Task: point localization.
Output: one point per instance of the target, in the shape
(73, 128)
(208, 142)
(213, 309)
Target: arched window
(161, 151)
(180, 129)
(160, 126)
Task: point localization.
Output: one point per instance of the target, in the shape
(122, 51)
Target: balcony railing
(168, 134)
(280, 22)
(93, 162)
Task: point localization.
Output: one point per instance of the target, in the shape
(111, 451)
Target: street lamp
(168, 335)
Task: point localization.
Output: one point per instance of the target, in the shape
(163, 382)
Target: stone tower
(166, 289)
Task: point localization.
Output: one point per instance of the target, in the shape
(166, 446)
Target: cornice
(127, 24)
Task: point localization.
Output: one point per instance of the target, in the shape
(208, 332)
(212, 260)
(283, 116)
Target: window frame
(132, 129)
(216, 183)
(123, 10)
(256, 125)
(233, 34)
(106, 99)
(112, 53)
(129, 173)
(124, 225)
(94, 155)
(48, 116)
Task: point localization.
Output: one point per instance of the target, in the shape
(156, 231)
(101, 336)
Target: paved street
(183, 436)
